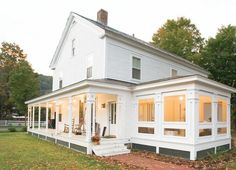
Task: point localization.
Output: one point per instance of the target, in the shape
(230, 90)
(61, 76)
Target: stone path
(146, 163)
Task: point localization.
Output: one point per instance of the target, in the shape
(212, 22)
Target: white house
(130, 93)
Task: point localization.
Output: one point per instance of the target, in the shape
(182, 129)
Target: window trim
(154, 105)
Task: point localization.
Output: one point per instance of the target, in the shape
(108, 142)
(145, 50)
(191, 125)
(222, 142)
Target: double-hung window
(136, 68)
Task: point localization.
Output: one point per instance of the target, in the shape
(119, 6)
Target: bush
(24, 129)
(12, 129)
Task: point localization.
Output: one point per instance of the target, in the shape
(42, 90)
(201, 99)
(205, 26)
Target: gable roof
(123, 35)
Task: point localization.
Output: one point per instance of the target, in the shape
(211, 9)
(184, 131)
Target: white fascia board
(78, 86)
(159, 52)
(184, 80)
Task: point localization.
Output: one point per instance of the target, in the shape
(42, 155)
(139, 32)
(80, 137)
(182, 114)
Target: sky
(37, 25)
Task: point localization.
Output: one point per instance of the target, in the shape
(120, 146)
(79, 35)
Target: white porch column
(39, 116)
(89, 112)
(28, 118)
(214, 116)
(120, 119)
(47, 116)
(33, 116)
(228, 119)
(158, 117)
(57, 117)
(70, 105)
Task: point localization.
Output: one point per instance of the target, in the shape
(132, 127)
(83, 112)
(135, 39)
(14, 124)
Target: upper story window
(60, 84)
(89, 72)
(174, 73)
(136, 68)
(73, 48)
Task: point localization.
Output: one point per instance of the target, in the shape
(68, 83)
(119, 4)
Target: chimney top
(102, 16)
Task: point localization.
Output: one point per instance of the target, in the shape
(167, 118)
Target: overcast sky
(36, 25)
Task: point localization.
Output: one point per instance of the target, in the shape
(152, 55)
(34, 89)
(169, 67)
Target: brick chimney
(102, 16)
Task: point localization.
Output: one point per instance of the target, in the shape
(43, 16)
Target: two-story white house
(132, 94)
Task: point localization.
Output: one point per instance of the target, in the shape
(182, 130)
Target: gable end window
(60, 84)
(174, 73)
(73, 47)
(136, 68)
(89, 72)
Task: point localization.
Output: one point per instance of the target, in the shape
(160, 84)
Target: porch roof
(127, 86)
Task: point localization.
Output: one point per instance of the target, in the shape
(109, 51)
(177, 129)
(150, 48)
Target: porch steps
(110, 149)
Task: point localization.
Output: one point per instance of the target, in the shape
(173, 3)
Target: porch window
(205, 109)
(146, 110)
(174, 108)
(221, 131)
(205, 132)
(136, 68)
(221, 111)
(147, 130)
(174, 132)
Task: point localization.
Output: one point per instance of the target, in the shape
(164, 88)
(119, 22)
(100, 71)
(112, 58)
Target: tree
(45, 84)
(10, 55)
(23, 84)
(219, 58)
(180, 37)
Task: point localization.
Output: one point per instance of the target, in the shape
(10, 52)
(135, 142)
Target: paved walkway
(147, 163)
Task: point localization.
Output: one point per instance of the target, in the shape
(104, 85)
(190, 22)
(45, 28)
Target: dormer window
(174, 73)
(136, 68)
(73, 47)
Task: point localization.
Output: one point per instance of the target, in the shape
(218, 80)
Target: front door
(112, 118)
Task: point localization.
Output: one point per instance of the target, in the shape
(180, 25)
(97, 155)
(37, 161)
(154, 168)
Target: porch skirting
(60, 141)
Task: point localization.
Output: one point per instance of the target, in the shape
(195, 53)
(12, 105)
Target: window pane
(146, 110)
(136, 63)
(222, 111)
(205, 132)
(222, 130)
(174, 132)
(89, 72)
(135, 73)
(174, 108)
(146, 130)
(205, 109)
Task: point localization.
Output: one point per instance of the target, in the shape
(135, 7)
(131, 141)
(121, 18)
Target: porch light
(181, 98)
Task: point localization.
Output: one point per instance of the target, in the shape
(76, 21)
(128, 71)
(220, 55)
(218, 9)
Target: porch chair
(66, 126)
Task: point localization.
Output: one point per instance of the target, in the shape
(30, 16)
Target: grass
(21, 151)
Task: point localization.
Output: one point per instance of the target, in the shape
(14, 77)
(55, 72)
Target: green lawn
(21, 151)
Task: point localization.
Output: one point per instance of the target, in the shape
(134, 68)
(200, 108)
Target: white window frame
(135, 56)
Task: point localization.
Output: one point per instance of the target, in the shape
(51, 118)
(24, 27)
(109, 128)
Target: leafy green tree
(23, 85)
(180, 37)
(10, 55)
(219, 58)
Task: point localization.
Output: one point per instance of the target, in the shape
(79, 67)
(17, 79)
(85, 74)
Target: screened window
(89, 72)
(205, 132)
(146, 110)
(174, 73)
(147, 130)
(221, 131)
(136, 68)
(205, 109)
(174, 108)
(222, 111)
(174, 132)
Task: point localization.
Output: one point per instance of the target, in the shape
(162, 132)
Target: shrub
(24, 129)
(12, 129)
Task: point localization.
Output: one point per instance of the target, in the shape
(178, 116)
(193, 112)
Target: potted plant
(96, 140)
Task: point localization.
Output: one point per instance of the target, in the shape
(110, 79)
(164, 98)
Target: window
(174, 73)
(221, 131)
(60, 117)
(60, 84)
(89, 72)
(205, 132)
(174, 108)
(136, 68)
(222, 111)
(174, 132)
(146, 110)
(146, 130)
(73, 47)
(205, 109)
